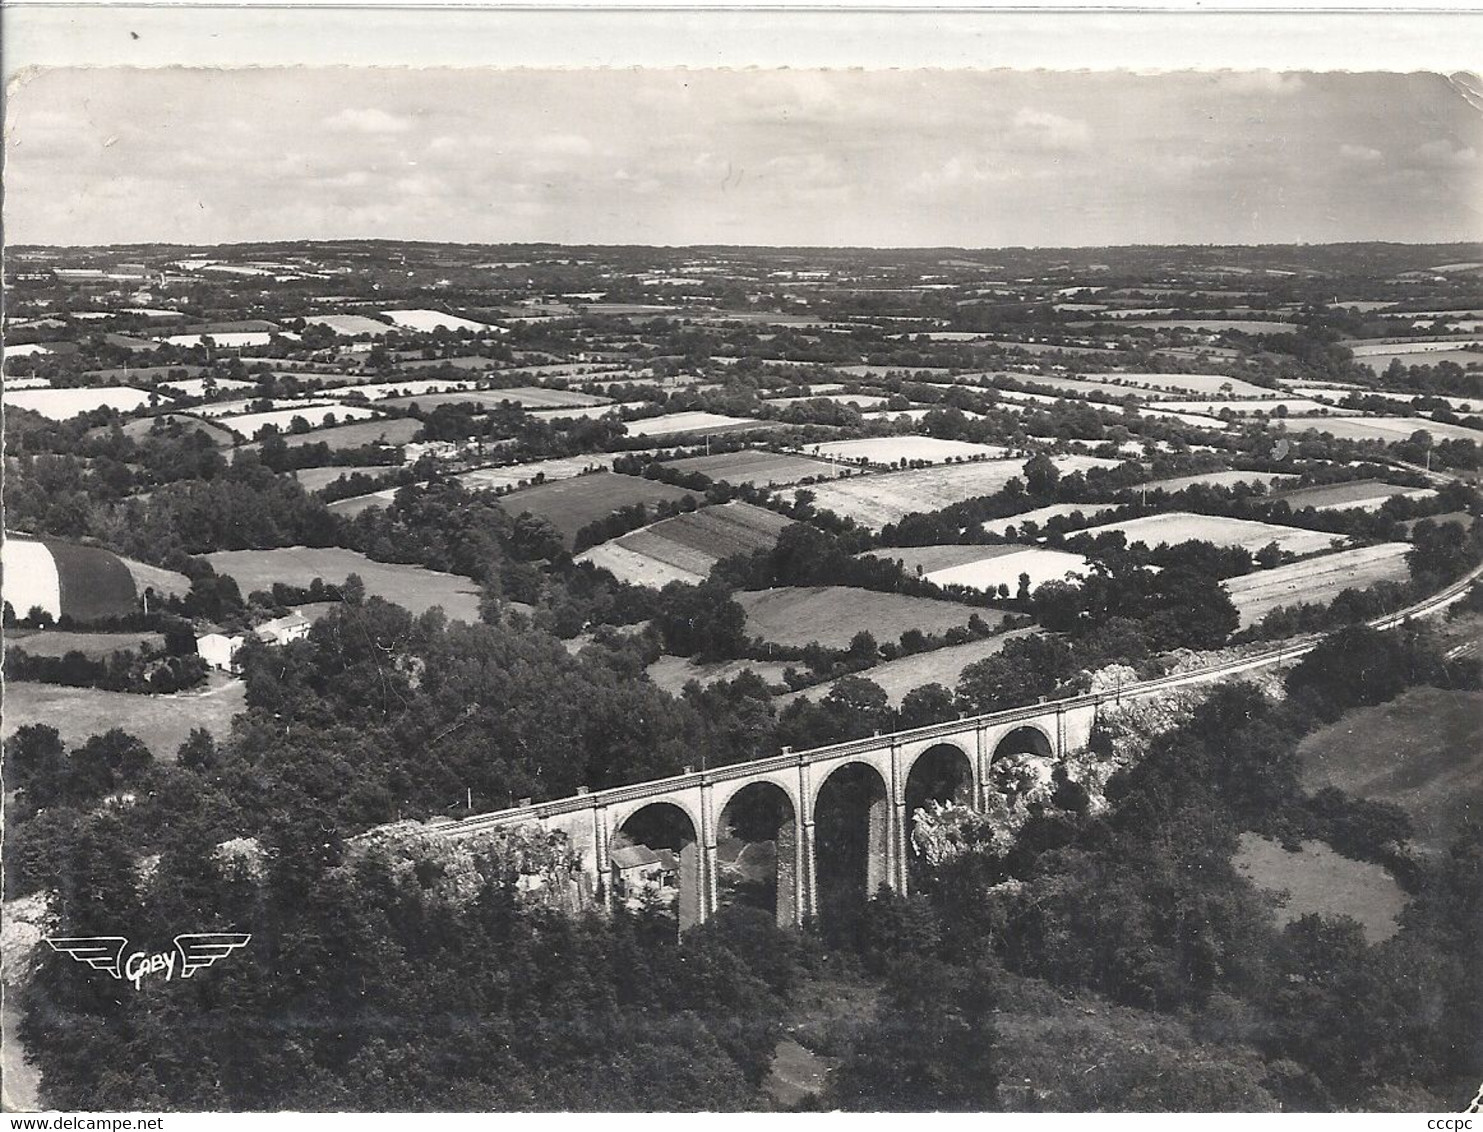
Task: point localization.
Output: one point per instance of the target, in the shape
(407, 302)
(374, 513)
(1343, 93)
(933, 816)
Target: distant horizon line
(1461, 242)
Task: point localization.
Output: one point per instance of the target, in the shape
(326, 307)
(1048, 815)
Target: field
(1423, 751)
(228, 339)
(198, 386)
(876, 500)
(425, 320)
(350, 325)
(397, 430)
(672, 673)
(96, 646)
(1387, 429)
(64, 404)
(413, 587)
(527, 397)
(417, 386)
(1072, 386)
(569, 505)
(1320, 881)
(831, 615)
(572, 413)
(248, 424)
(764, 469)
(1381, 362)
(162, 722)
(1219, 479)
(1181, 526)
(313, 479)
(549, 471)
(1041, 515)
(1206, 384)
(986, 568)
(1318, 580)
(671, 424)
(1248, 407)
(859, 400)
(886, 450)
(1195, 420)
(1241, 325)
(684, 548)
(138, 429)
(1365, 494)
(940, 666)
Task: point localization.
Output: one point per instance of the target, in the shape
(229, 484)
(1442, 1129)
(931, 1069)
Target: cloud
(1041, 129)
(1360, 154)
(368, 121)
(1442, 153)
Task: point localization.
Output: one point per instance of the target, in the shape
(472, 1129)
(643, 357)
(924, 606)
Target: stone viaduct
(880, 777)
(877, 774)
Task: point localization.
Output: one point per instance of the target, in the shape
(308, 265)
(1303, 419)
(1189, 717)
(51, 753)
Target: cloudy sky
(974, 159)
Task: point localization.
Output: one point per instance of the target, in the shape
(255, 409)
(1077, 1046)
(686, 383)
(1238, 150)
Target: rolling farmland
(1318, 880)
(1174, 527)
(64, 404)
(674, 424)
(1041, 515)
(413, 587)
(684, 548)
(569, 505)
(876, 500)
(888, 450)
(1317, 580)
(939, 666)
(1386, 429)
(1365, 494)
(831, 615)
(985, 568)
(765, 469)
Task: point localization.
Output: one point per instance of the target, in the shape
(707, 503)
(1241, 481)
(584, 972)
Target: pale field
(1335, 394)
(1381, 362)
(672, 673)
(875, 500)
(832, 615)
(1207, 384)
(314, 479)
(572, 413)
(940, 666)
(1365, 494)
(1040, 515)
(13, 384)
(425, 320)
(162, 723)
(674, 423)
(1198, 420)
(197, 386)
(57, 642)
(685, 547)
(1175, 527)
(913, 415)
(413, 587)
(758, 467)
(1387, 429)
(522, 475)
(380, 390)
(1219, 479)
(1248, 408)
(859, 400)
(1316, 580)
(1409, 347)
(246, 426)
(1040, 563)
(926, 560)
(64, 404)
(1243, 325)
(389, 430)
(1320, 881)
(890, 449)
(27, 350)
(351, 325)
(229, 339)
(242, 406)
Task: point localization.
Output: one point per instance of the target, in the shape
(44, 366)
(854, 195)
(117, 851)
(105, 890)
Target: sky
(780, 157)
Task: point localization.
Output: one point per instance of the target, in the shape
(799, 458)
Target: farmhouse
(282, 630)
(220, 650)
(638, 870)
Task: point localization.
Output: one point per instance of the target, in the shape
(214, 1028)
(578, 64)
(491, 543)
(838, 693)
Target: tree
(1041, 475)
